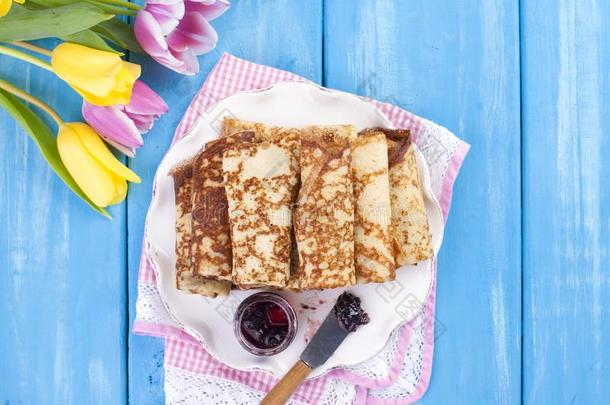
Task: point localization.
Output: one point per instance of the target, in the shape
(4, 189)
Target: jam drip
(349, 313)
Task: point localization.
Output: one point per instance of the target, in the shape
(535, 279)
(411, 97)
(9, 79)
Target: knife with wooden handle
(323, 344)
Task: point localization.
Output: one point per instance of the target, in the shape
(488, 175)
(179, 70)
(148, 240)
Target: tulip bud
(122, 125)
(94, 168)
(174, 33)
(100, 77)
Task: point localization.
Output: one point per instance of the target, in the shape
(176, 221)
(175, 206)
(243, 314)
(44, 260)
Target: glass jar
(258, 324)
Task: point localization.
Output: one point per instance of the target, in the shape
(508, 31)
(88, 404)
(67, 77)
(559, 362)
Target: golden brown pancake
(412, 241)
(324, 216)
(263, 132)
(261, 185)
(232, 126)
(185, 280)
(373, 245)
(211, 239)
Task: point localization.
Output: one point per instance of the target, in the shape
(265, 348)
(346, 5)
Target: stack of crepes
(298, 208)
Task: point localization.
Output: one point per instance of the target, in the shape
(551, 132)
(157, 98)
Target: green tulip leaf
(120, 33)
(90, 39)
(44, 139)
(102, 5)
(23, 24)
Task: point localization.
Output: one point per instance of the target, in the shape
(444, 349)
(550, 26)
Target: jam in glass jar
(265, 324)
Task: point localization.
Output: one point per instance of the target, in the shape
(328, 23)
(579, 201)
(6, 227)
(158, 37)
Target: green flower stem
(112, 9)
(25, 57)
(32, 100)
(32, 47)
(121, 3)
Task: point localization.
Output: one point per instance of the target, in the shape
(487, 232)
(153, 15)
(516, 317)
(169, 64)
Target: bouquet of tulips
(117, 107)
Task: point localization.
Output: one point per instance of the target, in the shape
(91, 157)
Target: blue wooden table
(523, 284)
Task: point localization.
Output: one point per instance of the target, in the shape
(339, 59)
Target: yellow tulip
(5, 6)
(94, 168)
(101, 77)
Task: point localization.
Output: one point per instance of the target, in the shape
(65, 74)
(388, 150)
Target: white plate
(210, 320)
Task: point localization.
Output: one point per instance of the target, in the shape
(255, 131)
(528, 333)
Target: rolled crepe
(231, 126)
(324, 217)
(412, 241)
(183, 185)
(195, 284)
(261, 184)
(185, 279)
(329, 133)
(373, 245)
(211, 239)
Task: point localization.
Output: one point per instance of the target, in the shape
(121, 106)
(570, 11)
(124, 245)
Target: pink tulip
(175, 32)
(122, 125)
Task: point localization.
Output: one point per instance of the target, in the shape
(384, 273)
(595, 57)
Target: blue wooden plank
(287, 35)
(456, 63)
(62, 284)
(565, 62)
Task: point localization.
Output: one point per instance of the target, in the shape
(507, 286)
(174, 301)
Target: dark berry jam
(265, 323)
(349, 313)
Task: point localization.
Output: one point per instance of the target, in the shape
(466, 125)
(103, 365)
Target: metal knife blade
(324, 343)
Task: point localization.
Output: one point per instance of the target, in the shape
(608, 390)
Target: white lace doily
(187, 388)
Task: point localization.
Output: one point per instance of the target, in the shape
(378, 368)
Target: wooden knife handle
(287, 385)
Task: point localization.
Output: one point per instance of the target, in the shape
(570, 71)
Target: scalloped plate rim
(151, 247)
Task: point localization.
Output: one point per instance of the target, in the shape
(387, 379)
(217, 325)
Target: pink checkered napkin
(182, 352)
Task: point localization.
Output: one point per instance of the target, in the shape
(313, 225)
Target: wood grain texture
(566, 60)
(287, 385)
(280, 33)
(457, 64)
(62, 283)
(68, 283)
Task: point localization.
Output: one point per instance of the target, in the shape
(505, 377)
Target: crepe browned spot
(324, 217)
(185, 279)
(373, 245)
(412, 241)
(261, 184)
(211, 239)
